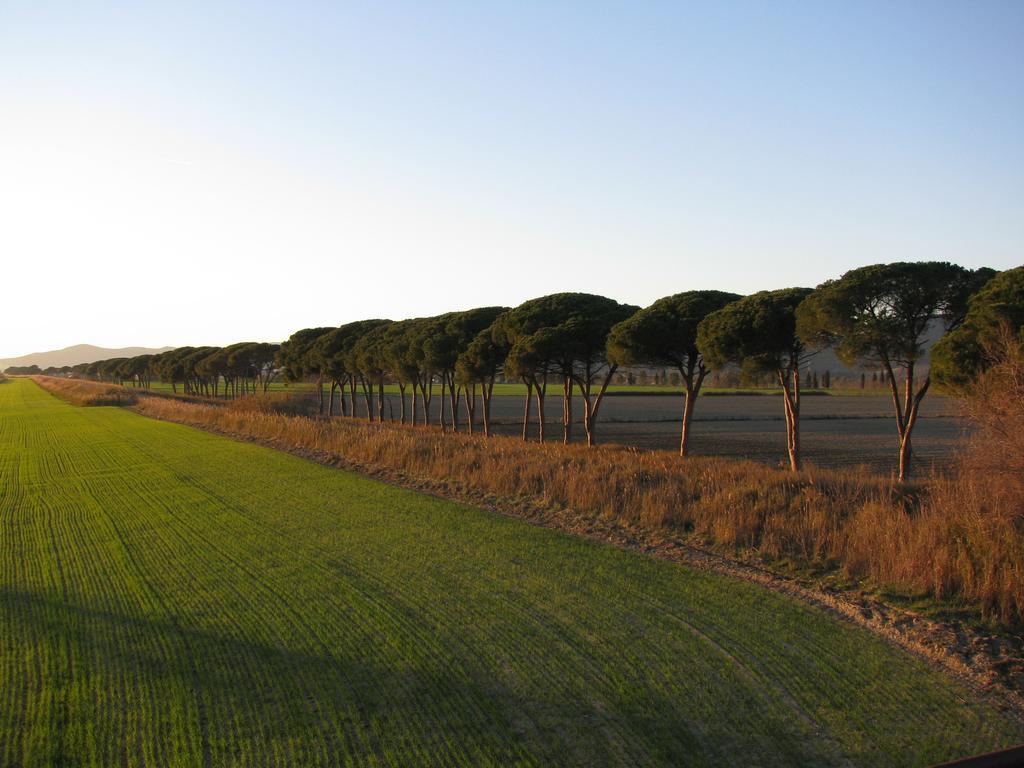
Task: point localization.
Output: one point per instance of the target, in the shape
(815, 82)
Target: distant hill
(80, 353)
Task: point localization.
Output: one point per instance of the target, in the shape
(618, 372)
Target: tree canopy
(758, 332)
(563, 335)
(665, 333)
(294, 356)
(995, 316)
(881, 315)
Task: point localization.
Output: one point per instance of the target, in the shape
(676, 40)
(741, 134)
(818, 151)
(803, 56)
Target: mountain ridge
(78, 353)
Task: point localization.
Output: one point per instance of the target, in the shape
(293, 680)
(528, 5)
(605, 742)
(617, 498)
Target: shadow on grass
(240, 693)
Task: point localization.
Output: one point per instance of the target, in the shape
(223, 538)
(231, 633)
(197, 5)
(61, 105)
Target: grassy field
(169, 597)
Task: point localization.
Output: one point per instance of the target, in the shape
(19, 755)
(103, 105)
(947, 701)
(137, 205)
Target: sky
(205, 173)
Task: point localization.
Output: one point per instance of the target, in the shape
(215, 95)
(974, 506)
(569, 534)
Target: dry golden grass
(82, 392)
(956, 538)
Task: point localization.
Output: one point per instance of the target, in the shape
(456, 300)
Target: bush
(80, 392)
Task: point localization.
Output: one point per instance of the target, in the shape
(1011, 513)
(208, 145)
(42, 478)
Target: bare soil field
(835, 431)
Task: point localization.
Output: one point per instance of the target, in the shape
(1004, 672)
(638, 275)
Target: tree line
(572, 344)
(240, 369)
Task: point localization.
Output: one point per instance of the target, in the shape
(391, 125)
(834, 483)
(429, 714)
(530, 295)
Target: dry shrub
(955, 538)
(285, 403)
(964, 538)
(81, 392)
(982, 509)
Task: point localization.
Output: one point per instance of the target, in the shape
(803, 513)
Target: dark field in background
(836, 431)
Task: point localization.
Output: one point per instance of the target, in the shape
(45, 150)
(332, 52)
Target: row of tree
(244, 368)
(879, 316)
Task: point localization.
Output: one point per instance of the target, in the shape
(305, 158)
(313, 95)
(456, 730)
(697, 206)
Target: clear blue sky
(205, 173)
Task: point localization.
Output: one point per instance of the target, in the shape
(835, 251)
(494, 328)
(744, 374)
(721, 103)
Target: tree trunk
(401, 394)
(791, 402)
(367, 397)
(441, 415)
(485, 393)
(906, 412)
(330, 402)
(894, 391)
(567, 387)
(591, 405)
(526, 409)
(380, 399)
(689, 402)
(541, 393)
(796, 460)
(470, 394)
(588, 420)
(905, 455)
(427, 393)
(911, 409)
(688, 398)
(453, 399)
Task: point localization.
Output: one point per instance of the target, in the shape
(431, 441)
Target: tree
(138, 370)
(665, 333)
(451, 335)
(414, 363)
(562, 335)
(92, 370)
(214, 368)
(195, 381)
(534, 358)
(995, 317)
(170, 366)
(297, 359)
(585, 361)
(369, 361)
(329, 353)
(23, 370)
(525, 360)
(402, 362)
(327, 350)
(244, 367)
(480, 363)
(758, 332)
(110, 370)
(259, 360)
(881, 315)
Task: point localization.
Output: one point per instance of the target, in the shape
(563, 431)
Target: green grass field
(169, 597)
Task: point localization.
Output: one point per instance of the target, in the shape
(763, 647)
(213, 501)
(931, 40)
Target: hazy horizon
(210, 173)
